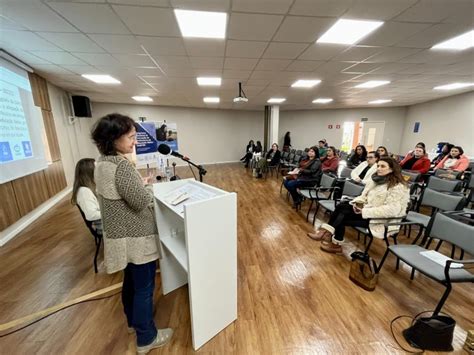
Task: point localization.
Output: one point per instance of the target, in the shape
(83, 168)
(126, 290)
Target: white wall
(450, 119)
(308, 127)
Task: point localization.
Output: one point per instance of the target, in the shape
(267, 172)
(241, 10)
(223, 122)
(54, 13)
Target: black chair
(97, 234)
(318, 193)
(447, 229)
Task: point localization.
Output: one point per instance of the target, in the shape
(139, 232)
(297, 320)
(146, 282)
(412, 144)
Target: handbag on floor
(363, 271)
(433, 333)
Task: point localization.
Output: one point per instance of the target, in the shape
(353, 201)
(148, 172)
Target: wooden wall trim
(9, 211)
(51, 135)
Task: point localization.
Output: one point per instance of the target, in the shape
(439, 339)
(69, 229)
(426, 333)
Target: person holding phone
(386, 196)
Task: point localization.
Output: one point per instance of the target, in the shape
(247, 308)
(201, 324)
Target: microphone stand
(200, 168)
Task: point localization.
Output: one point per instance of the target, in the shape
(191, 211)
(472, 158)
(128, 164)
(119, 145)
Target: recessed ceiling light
(209, 81)
(211, 100)
(461, 42)
(349, 31)
(305, 83)
(322, 100)
(101, 79)
(276, 100)
(142, 98)
(372, 84)
(378, 102)
(202, 24)
(453, 86)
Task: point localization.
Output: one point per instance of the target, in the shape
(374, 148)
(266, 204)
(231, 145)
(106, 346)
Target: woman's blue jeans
(137, 299)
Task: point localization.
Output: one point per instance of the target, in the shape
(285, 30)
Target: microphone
(166, 150)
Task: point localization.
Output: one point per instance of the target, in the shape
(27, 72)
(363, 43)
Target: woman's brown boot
(324, 233)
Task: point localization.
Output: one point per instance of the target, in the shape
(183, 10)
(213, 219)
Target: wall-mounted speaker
(81, 106)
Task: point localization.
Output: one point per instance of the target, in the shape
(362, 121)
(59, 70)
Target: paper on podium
(188, 193)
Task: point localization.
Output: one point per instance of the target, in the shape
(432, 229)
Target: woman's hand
(356, 209)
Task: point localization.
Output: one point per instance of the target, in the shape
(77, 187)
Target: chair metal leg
(397, 266)
(371, 239)
(462, 254)
(412, 273)
(442, 300)
(97, 249)
(439, 245)
(309, 209)
(453, 250)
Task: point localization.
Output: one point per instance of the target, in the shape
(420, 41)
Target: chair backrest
(444, 172)
(345, 172)
(441, 200)
(291, 156)
(413, 176)
(351, 188)
(327, 181)
(293, 151)
(438, 184)
(284, 155)
(453, 231)
(297, 158)
(299, 152)
(88, 224)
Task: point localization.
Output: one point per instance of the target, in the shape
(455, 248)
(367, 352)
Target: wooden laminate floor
(292, 297)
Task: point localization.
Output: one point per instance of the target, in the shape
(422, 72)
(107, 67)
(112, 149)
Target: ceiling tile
(361, 68)
(392, 54)
(240, 63)
(91, 18)
(236, 74)
(59, 58)
(272, 64)
(26, 40)
(118, 44)
(302, 29)
(393, 32)
(357, 53)
(35, 16)
(134, 60)
(149, 20)
(323, 8)
(50, 69)
(161, 3)
(80, 69)
(8, 24)
(434, 10)
(284, 50)
(438, 57)
(322, 51)
(163, 45)
(202, 5)
(253, 26)
(207, 62)
(27, 58)
(304, 65)
(97, 58)
(432, 35)
(72, 42)
(377, 9)
(391, 68)
(204, 47)
(173, 62)
(265, 6)
(245, 49)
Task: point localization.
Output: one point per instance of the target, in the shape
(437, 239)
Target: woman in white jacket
(83, 192)
(363, 172)
(385, 196)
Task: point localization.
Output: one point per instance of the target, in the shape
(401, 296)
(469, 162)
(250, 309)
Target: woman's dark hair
(461, 151)
(83, 177)
(108, 129)
(386, 150)
(275, 144)
(251, 142)
(449, 146)
(421, 144)
(287, 134)
(334, 150)
(259, 144)
(355, 158)
(395, 177)
(315, 149)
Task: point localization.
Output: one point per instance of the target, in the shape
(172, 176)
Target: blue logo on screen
(5, 152)
(27, 148)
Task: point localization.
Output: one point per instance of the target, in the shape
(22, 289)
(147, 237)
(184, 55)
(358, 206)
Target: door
(372, 135)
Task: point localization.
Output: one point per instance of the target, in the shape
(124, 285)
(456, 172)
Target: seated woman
(271, 159)
(383, 152)
(386, 196)
(330, 162)
(359, 156)
(454, 161)
(364, 171)
(248, 153)
(83, 192)
(416, 161)
(308, 174)
(444, 152)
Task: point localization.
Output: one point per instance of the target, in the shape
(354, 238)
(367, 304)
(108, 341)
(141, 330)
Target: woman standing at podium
(129, 227)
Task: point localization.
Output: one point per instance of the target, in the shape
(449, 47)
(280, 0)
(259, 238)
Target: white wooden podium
(198, 240)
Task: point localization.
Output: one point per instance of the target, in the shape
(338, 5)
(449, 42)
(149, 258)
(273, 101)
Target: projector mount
(241, 97)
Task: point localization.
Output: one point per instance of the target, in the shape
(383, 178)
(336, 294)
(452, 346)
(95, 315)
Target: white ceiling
(269, 44)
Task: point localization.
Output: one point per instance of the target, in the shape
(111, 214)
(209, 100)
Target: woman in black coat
(248, 153)
(272, 158)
